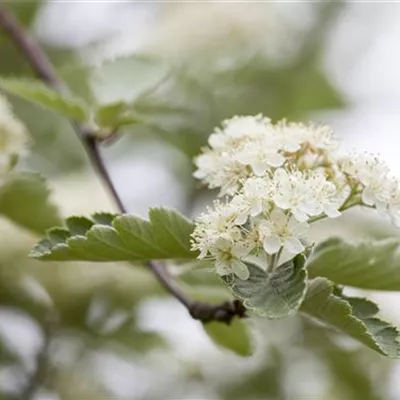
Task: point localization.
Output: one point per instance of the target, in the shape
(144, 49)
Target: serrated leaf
(108, 237)
(37, 92)
(235, 337)
(272, 295)
(371, 265)
(355, 317)
(24, 199)
(172, 231)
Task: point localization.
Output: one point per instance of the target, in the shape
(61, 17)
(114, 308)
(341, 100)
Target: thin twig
(44, 69)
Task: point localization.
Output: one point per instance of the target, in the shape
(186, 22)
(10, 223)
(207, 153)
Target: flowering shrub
(274, 182)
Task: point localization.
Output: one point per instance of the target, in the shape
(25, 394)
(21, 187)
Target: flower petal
(259, 167)
(256, 208)
(241, 219)
(300, 215)
(331, 211)
(275, 159)
(293, 245)
(272, 244)
(368, 197)
(240, 270)
(222, 267)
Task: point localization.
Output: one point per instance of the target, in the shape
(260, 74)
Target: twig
(44, 69)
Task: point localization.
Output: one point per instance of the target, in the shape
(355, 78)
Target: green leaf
(24, 198)
(37, 92)
(273, 295)
(172, 231)
(108, 237)
(235, 337)
(371, 265)
(114, 115)
(126, 78)
(355, 317)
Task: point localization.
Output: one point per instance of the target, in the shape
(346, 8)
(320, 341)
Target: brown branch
(44, 69)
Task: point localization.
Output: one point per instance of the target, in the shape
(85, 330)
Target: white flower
(325, 195)
(291, 135)
(256, 192)
(206, 163)
(282, 231)
(228, 257)
(372, 174)
(307, 194)
(261, 155)
(321, 137)
(239, 129)
(220, 171)
(292, 192)
(216, 221)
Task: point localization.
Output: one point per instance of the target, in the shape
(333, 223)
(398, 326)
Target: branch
(44, 69)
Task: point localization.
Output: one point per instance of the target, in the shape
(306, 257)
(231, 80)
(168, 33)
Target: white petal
(240, 250)
(331, 211)
(217, 140)
(293, 245)
(265, 228)
(259, 167)
(240, 270)
(278, 217)
(381, 206)
(281, 202)
(297, 228)
(272, 244)
(241, 219)
(256, 208)
(222, 243)
(222, 268)
(300, 215)
(368, 197)
(275, 159)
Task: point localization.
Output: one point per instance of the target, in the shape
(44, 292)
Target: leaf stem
(43, 68)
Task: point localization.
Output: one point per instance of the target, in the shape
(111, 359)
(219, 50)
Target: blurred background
(108, 331)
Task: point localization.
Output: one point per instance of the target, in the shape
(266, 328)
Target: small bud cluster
(13, 138)
(274, 180)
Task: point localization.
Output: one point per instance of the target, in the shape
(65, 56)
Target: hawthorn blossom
(321, 137)
(216, 221)
(373, 175)
(238, 130)
(261, 155)
(281, 230)
(293, 193)
(276, 180)
(291, 135)
(228, 256)
(256, 192)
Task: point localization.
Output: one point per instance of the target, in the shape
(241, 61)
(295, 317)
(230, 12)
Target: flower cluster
(275, 180)
(13, 138)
